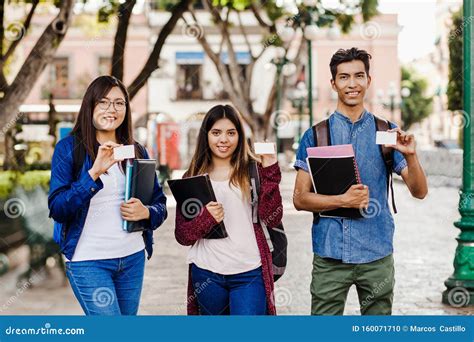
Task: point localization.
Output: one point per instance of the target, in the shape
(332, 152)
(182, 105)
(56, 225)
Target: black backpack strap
(387, 154)
(254, 189)
(79, 155)
(141, 148)
(322, 137)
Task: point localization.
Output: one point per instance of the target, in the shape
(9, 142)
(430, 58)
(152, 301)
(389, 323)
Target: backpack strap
(322, 137)
(321, 133)
(387, 154)
(254, 189)
(79, 155)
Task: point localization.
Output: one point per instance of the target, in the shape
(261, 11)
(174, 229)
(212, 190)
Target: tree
(417, 106)
(14, 93)
(226, 15)
(455, 42)
(124, 11)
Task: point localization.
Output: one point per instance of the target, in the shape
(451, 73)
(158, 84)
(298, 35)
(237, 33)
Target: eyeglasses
(119, 105)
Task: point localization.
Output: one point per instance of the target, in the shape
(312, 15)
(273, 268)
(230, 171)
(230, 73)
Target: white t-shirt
(238, 252)
(102, 236)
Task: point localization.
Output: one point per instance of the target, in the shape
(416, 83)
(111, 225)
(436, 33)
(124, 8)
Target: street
(424, 252)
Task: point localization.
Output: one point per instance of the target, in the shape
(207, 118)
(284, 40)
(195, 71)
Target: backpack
(79, 155)
(322, 137)
(276, 236)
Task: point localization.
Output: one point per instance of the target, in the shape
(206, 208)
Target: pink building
(379, 37)
(84, 54)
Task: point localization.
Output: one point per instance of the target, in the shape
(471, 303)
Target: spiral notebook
(333, 171)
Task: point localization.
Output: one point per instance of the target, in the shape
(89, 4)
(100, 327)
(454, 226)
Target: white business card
(124, 152)
(264, 148)
(386, 138)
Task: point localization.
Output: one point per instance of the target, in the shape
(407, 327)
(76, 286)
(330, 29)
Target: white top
(102, 236)
(238, 252)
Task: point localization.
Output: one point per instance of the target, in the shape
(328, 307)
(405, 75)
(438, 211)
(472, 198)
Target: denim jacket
(361, 240)
(69, 199)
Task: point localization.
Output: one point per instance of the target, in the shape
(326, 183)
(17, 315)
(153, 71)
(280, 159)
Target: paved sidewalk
(424, 251)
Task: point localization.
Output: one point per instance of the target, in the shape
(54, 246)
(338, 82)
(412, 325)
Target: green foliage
(455, 83)
(9, 180)
(417, 106)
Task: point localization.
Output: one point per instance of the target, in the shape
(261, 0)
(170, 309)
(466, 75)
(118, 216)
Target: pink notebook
(333, 151)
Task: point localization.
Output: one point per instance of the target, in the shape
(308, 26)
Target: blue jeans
(236, 294)
(110, 286)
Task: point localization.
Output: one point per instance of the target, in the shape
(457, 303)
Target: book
(191, 195)
(139, 183)
(333, 171)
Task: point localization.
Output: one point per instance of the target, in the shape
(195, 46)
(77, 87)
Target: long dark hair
(84, 129)
(202, 159)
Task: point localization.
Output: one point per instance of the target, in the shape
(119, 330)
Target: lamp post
(391, 102)
(286, 67)
(310, 16)
(310, 33)
(298, 100)
(460, 286)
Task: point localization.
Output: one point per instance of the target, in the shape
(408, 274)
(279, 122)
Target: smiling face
(351, 83)
(223, 139)
(109, 112)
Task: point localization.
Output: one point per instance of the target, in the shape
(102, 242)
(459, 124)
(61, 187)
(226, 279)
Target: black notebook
(191, 195)
(333, 171)
(142, 182)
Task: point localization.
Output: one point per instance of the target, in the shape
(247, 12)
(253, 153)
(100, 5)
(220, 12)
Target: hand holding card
(267, 151)
(264, 148)
(386, 138)
(124, 152)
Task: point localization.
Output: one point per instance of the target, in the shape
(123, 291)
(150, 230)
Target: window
(105, 65)
(189, 82)
(223, 95)
(59, 76)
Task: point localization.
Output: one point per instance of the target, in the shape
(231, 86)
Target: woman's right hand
(104, 160)
(216, 210)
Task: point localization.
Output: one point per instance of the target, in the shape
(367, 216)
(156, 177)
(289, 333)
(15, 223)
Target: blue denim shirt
(69, 199)
(361, 240)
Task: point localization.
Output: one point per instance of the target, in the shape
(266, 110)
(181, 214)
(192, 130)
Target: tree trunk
(152, 62)
(39, 57)
(124, 14)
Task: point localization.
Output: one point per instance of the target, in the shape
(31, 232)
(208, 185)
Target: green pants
(332, 279)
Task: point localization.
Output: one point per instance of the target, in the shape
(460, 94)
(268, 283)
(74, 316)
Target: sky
(417, 19)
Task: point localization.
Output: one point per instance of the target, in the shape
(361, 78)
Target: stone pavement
(424, 250)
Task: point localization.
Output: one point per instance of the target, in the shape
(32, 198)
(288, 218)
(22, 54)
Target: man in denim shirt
(355, 251)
